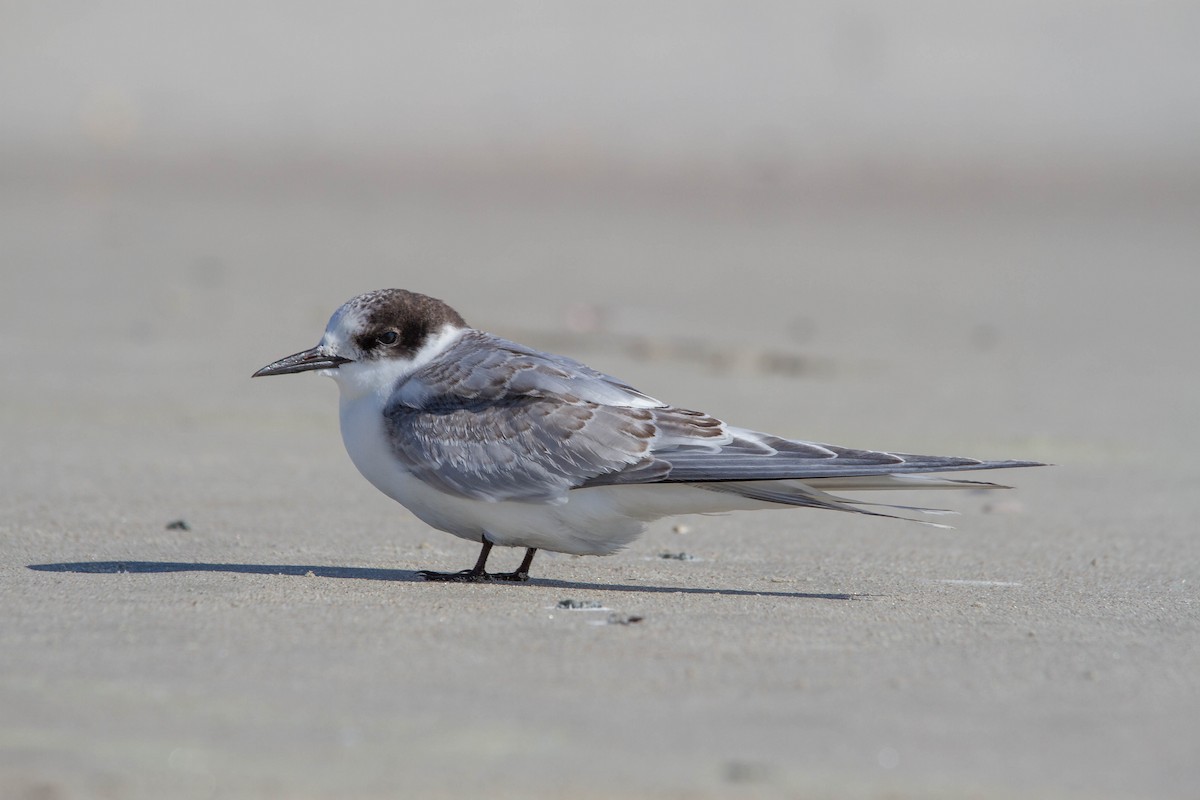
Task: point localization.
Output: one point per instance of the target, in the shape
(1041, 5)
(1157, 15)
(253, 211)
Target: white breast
(594, 521)
(591, 522)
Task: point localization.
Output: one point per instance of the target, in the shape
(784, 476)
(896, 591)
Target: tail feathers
(918, 509)
(796, 493)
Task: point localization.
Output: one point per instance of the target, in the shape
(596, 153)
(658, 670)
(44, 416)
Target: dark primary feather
(493, 420)
(688, 465)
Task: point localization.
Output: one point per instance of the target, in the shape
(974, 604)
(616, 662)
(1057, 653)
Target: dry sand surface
(280, 645)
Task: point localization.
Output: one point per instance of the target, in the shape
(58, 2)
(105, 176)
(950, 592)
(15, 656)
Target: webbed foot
(477, 573)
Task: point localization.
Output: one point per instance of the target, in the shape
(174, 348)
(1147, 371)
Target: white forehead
(347, 322)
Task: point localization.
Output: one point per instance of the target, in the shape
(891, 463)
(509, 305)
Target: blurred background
(931, 93)
(929, 226)
(777, 185)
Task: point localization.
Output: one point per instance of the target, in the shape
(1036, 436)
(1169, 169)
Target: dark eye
(388, 338)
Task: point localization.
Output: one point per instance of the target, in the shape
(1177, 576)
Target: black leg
(522, 573)
(477, 573)
(473, 575)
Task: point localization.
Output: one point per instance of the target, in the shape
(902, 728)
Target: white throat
(379, 376)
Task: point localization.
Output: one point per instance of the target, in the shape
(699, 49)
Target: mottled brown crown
(413, 317)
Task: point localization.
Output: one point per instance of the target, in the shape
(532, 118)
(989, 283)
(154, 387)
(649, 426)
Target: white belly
(594, 521)
(584, 525)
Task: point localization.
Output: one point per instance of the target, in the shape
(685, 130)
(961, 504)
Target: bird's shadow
(401, 576)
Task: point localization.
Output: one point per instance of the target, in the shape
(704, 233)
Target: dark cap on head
(411, 316)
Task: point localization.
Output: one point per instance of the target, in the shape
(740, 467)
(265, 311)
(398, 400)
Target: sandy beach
(281, 645)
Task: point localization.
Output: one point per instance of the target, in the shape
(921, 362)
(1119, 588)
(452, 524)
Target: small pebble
(178, 525)
(568, 603)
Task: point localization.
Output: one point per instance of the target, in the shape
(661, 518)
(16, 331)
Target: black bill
(309, 360)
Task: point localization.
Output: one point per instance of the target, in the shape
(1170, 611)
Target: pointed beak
(313, 359)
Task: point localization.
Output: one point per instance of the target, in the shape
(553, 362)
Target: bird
(505, 445)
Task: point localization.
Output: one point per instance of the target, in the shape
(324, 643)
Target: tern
(505, 445)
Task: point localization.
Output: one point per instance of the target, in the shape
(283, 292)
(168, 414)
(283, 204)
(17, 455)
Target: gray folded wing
(493, 420)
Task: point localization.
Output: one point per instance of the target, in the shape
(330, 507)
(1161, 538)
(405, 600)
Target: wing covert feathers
(493, 420)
